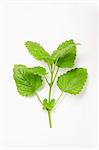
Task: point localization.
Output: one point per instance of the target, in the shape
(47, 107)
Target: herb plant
(29, 80)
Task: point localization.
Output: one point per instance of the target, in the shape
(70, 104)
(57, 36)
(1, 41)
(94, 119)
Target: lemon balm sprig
(29, 80)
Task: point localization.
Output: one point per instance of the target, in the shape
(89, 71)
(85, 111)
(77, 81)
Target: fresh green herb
(29, 80)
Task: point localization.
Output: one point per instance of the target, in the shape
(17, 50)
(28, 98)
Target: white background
(74, 120)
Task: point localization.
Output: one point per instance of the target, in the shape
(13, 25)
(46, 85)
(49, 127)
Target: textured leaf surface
(73, 81)
(35, 70)
(65, 54)
(38, 70)
(26, 81)
(38, 52)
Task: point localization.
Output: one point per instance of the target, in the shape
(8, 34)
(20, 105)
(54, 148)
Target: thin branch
(38, 98)
(58, 98)
(55, 75)
(46, 80)
(55, 63)
(49, 68)
(54, 67)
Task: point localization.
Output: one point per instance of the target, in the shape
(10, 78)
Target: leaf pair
(48, 105)
(28, 80)
(63, 57)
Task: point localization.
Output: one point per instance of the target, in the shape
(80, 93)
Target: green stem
(50, 90)
(49, 117)
(38, 98)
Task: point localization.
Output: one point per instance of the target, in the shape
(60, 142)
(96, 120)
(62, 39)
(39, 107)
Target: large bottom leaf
(26, 81)
(73, 81)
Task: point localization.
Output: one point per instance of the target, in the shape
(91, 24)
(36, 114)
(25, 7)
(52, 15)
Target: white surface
(74, 120)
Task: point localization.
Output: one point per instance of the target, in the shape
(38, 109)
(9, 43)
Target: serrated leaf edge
(16, 83)
(82, 85)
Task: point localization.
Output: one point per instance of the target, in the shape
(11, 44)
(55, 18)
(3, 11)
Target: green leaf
(26, 81)
(48, 105)
(65, 54)
(35, 70)
(38, 52)
(73, 81)
(38, 70)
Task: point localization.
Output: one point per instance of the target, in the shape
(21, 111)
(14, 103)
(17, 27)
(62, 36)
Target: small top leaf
(26, 81)
(65, 54)
(38, 52)
(73, 81)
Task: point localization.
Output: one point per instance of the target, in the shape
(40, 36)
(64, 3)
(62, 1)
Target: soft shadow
(75, 97)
